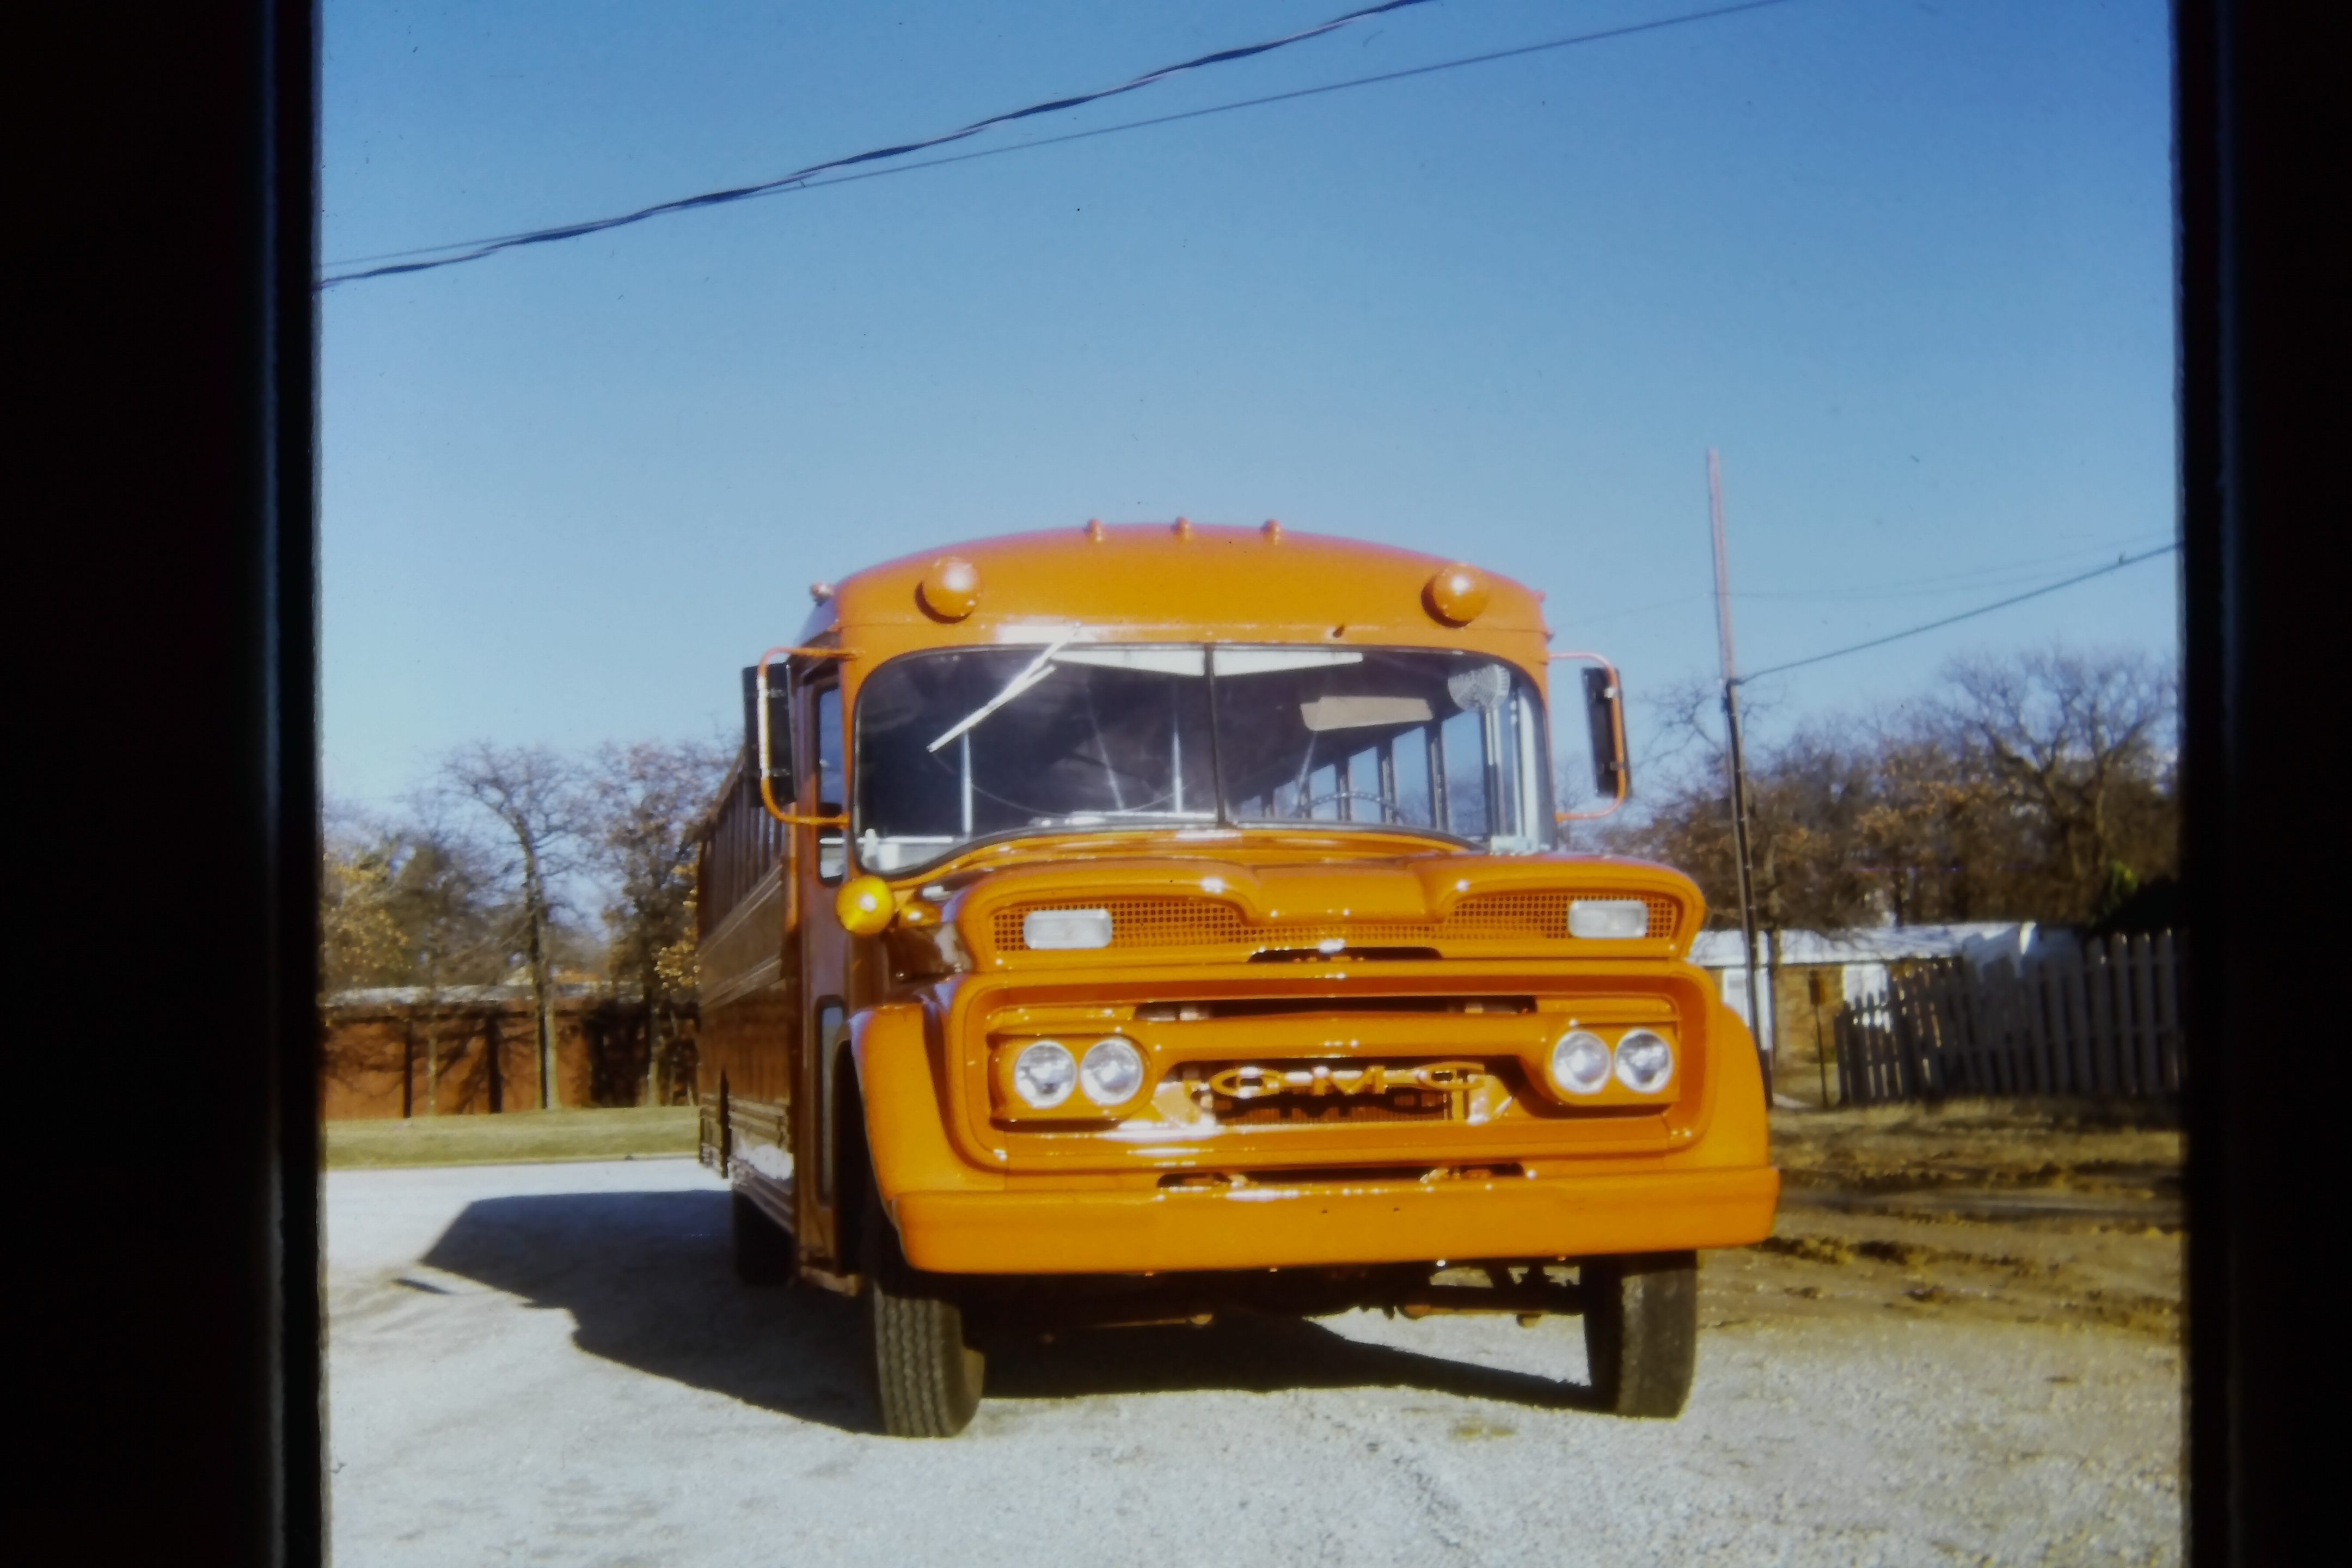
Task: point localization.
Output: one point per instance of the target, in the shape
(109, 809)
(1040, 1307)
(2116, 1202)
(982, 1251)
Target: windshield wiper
(1038, 669)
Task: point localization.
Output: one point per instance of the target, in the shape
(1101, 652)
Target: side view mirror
(768, 734)
(1604, 717)
(1604, 713)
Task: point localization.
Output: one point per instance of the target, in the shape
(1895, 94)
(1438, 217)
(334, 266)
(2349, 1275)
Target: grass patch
(518, 1137)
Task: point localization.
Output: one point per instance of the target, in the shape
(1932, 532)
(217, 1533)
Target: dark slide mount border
(163, 751)
(165, 553)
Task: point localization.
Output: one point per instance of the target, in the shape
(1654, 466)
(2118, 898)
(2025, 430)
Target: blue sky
(1906, 265)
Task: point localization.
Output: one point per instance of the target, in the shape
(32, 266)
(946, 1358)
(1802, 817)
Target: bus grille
(1154, 923)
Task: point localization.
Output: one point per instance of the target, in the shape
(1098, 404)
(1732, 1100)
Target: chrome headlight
(1044, 1073)
(1112, 1071)
(1580, 1063)
(1644, 1061)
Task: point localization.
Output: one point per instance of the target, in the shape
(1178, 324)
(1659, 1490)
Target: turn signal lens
(1644, 1062)
(864, 905)
(1612, 918)
(1056, 929)
(1044, 1074)
(1112, 1071)
(1580, 1063)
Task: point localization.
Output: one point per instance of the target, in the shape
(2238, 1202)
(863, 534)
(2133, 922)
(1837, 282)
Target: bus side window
(831, 788)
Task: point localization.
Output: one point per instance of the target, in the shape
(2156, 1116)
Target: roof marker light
(950, 589)
(1183, 529)
(1095, 529)
(1273, 530)
(1456, 595)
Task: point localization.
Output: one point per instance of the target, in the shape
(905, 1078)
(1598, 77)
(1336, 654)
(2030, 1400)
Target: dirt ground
(554, 1363)
(1959, 1346)
(2053, 1213)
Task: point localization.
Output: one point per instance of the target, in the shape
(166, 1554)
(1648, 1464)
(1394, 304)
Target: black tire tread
(1640, 1331)
(929, 1379)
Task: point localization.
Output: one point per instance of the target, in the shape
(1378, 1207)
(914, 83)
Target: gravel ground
(554, 1363)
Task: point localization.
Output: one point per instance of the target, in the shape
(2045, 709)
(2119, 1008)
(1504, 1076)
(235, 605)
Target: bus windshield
(973, 743)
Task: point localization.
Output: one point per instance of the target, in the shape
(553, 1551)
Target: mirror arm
(1617, 724)
(767, 790)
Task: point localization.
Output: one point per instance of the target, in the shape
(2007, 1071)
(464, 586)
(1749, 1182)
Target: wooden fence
(2104, 1021)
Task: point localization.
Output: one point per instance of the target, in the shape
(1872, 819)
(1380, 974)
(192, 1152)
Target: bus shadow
(1253, 1356)
(647, 1281)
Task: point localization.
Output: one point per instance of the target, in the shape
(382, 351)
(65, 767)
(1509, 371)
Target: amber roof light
(1456, 595)
(950, 589)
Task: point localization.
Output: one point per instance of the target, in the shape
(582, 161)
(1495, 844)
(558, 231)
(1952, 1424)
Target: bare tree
(2080, 745)
(533, 794)
(2031, 787)
(646, 803)
(1808, 796)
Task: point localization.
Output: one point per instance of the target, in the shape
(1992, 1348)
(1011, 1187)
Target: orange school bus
(1137, 924)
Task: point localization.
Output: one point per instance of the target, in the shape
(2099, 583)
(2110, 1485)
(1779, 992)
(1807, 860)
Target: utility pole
(1755, 1019)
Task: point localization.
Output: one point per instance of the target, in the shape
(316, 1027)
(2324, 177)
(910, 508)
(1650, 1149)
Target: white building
(1862, 955)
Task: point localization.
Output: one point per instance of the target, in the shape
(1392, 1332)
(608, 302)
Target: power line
(1220, 57)
(802, 179)
(1965, 615)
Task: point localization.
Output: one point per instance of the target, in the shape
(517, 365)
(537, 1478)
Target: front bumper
(1321, 1224)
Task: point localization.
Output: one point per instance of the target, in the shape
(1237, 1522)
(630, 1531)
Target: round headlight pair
(1581, 1062)
(1044, 1073)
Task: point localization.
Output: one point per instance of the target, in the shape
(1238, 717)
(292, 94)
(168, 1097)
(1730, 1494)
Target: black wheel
(763, 1249)
(928, 1376)
(1641, 1330)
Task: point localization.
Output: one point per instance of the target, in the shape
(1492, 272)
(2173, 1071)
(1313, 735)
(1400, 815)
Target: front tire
(929, 1378)
(1641, 1331)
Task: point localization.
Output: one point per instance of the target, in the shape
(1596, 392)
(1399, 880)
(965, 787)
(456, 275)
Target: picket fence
(2104, 1021)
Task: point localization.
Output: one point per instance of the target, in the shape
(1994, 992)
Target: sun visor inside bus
(1190, 661)
(1326, 713)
